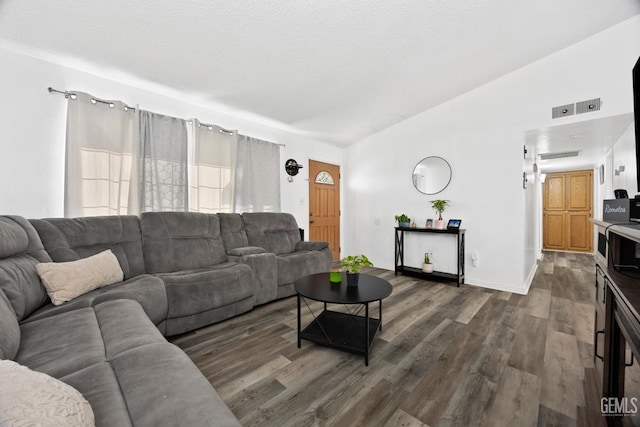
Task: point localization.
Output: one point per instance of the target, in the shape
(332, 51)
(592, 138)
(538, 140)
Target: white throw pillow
(65, 281)
(29, 398)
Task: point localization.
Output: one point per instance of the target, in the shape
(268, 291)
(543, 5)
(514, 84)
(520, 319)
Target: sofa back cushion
(276, 232)
(10, 336)
(70, 239)
(175, 241)
(20, 251)
(232, 231)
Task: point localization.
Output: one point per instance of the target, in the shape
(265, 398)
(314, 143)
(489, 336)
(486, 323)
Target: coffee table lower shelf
(342, 331)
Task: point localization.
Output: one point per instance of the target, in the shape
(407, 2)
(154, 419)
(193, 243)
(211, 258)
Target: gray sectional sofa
(182, 271)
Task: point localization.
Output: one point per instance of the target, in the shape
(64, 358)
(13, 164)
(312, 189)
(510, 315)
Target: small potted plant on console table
(403, 221)
(354, 264)
(439, 206)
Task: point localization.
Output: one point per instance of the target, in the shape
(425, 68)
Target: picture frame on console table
(429, 223)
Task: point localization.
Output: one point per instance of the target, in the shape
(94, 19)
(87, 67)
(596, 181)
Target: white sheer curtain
(99, 147)
(163, 163)
(212, 158)
(257, 176)
(122, 160)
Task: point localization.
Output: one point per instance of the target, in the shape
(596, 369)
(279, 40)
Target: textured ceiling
(333, 70)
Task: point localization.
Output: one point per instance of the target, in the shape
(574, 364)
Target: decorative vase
(352, 279)
(335, 276)
(427, 268)
(439, 224)
(403, 224)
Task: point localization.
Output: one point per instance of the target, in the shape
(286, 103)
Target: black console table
(401, 268)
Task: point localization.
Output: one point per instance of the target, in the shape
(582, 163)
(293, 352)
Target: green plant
(355, 263)
(439, 206)
(403, 218)
(426, 258)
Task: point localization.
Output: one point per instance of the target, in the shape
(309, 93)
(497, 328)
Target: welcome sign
(615, 210)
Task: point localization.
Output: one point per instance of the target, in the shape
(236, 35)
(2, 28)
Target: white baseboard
(522, 290)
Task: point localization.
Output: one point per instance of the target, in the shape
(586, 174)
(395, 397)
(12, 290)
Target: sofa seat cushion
(123, 366)
(31, 397)
(164, 387)
(292, 267)
(71, 341)
(147, 290)
(59, 345)
(194, 291)
(98, 384)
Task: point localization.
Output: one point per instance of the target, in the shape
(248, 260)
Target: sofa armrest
(247, 250)
(313, 245)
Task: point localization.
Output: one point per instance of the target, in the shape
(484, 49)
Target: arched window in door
(324, 177)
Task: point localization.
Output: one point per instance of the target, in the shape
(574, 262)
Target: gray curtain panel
(163, 163)
(257, 176)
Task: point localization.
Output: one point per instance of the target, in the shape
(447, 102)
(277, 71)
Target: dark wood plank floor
(447, 356)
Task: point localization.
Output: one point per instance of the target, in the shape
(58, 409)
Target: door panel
(567, 207)
(580, 231)
(554, 194)
(554, 231)
(324, 204)
(579, 194)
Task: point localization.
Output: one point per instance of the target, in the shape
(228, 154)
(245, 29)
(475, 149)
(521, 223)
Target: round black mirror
(431, 175)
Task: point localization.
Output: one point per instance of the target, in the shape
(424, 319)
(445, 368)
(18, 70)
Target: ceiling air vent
(588, 106)
(559, 155)
(562, 111)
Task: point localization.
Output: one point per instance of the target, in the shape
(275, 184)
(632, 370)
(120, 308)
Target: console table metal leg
(299, 330)
(380, 313)
(366, 343)
(399, 249)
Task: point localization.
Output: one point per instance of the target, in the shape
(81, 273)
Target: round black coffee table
(344, 331)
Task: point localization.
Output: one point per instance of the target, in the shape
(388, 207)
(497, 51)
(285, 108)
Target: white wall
(481, 134)
(32, 133)
(624, 154)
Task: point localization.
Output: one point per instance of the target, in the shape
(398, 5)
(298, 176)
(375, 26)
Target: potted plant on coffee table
(403, 221)
(439, 206)
(354, 264)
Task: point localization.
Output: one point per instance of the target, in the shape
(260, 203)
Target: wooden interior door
(324, 205)
(567, 207)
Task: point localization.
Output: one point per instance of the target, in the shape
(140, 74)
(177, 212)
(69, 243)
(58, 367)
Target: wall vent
(588, 106)
(578, 108)
(559, 155)
(562, 111)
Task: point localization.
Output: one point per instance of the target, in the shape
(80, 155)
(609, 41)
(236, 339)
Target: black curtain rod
(65, 93)
(72, 95)
(126, 107)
